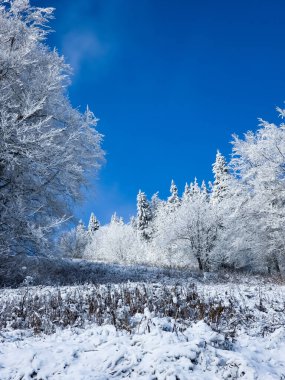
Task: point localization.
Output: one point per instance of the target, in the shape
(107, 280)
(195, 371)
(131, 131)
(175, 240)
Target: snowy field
(143, 331)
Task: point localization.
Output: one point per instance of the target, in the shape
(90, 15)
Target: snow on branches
(47, 148)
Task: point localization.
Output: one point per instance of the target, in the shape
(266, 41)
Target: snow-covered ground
(157, 347)
(104, 353)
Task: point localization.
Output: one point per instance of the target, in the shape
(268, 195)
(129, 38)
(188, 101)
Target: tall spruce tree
(93, 224)
(221, 178)
(187, 192)
(115, 219)
(204, 190)
(173, 201)
(155, 203)
(144, 215)
(194, 188)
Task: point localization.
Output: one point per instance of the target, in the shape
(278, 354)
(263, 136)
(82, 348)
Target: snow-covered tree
(165, 209)
(197, 228)
(204, 190)
(144, 216)
(115, 219)
(233, 246)
(173, 200)
(47, 148)
(155, 203)
(221, 178)
(94, 224)
(74, 242)
(189, 232)
(116, 243)
(252, 212)
(187, 192)
(259, 165)
(194, 188)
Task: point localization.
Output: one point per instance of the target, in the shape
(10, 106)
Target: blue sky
(170, 82)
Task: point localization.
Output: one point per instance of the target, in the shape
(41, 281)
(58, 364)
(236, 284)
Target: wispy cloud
(82, 46)
(87, 32)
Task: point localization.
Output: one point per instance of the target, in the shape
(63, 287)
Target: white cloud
(79, 46)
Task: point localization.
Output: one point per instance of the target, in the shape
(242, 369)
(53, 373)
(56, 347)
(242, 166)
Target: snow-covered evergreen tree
(144, 216)
(221, 178)
(204, 190)
(174, 199)
(187, 192)
(172, 203)
(155, 203)
(94, 224)
(115, 219)
(194, 188)
(133, 222)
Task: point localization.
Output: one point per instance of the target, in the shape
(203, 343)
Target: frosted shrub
(117, 243)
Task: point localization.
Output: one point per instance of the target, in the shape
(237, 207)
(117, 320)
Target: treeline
(236, 222)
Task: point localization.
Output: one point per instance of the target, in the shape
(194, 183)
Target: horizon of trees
(236, 222)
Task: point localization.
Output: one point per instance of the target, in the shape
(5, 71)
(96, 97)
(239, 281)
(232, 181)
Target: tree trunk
(200, 263)
(276, 264)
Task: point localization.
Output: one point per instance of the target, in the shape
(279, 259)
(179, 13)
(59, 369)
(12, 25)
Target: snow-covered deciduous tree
(222, 196)
(197, 228)
(73, 243)
(47, 148)
(164, 210)
(189, 232)
(232, 249)
(116, 243)
(94, 224)
(259, 165)
(144, 216)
